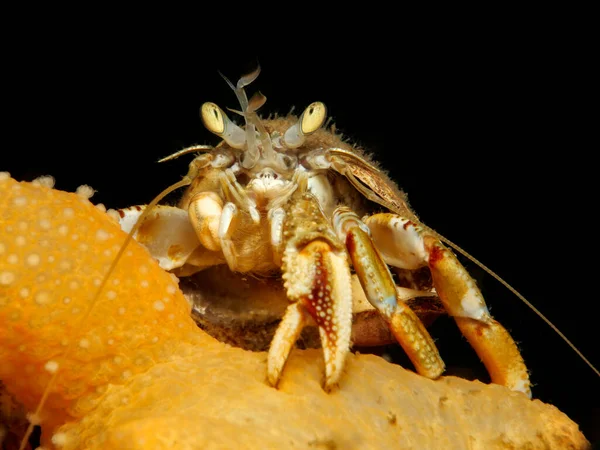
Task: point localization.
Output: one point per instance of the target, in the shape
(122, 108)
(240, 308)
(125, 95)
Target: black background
(484, 133)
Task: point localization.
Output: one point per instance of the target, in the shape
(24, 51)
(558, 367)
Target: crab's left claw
(405, 244)
(317, 278)
(167, 233)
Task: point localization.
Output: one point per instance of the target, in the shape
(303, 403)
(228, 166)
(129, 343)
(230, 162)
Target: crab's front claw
(380, 289)
(317, 280)
(166, 232)
(406, 245)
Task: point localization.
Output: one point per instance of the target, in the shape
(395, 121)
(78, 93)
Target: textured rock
(135, 372)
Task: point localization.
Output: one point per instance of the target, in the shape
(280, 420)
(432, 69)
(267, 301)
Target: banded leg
(317, 279)
(380, 289)
(406, 245)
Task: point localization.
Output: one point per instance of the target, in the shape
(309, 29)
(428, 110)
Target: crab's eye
(212, 116)
(310, 121)
(313, 117)
(217, 122)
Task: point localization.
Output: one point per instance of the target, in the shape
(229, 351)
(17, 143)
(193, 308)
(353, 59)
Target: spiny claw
(284, 340)
(404, 244)
(380, 290)
(317, 280)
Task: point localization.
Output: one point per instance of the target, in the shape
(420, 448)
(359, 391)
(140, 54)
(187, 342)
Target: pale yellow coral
(134, 371)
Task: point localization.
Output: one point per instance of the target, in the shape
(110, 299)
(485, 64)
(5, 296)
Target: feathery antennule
(251, 154)
(516, 293)
(257, 100)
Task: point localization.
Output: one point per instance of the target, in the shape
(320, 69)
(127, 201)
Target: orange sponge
(55, 250)
(130, 369)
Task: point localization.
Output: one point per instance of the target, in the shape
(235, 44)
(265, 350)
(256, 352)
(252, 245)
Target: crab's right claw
(166, 233)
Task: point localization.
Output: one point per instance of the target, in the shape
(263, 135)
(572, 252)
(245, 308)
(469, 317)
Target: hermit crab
(288, 198)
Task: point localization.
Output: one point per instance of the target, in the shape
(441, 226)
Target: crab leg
(317, 279)
(406, 245)
(380, 289)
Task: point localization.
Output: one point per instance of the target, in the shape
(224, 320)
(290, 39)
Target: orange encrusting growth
(139, 374)
(55, 249)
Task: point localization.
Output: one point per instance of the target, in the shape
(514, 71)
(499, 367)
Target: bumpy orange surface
(135, 372)
(55, 249)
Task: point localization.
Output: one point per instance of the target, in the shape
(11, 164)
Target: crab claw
(317, 279)
(167, 233)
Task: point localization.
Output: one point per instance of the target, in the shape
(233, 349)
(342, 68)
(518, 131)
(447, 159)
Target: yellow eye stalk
(217, 122)
(310, 121)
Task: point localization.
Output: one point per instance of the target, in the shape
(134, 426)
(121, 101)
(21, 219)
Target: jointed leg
(404, 244)
(379, 287)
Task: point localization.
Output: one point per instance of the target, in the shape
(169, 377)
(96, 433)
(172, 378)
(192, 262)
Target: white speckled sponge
(133, 370)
